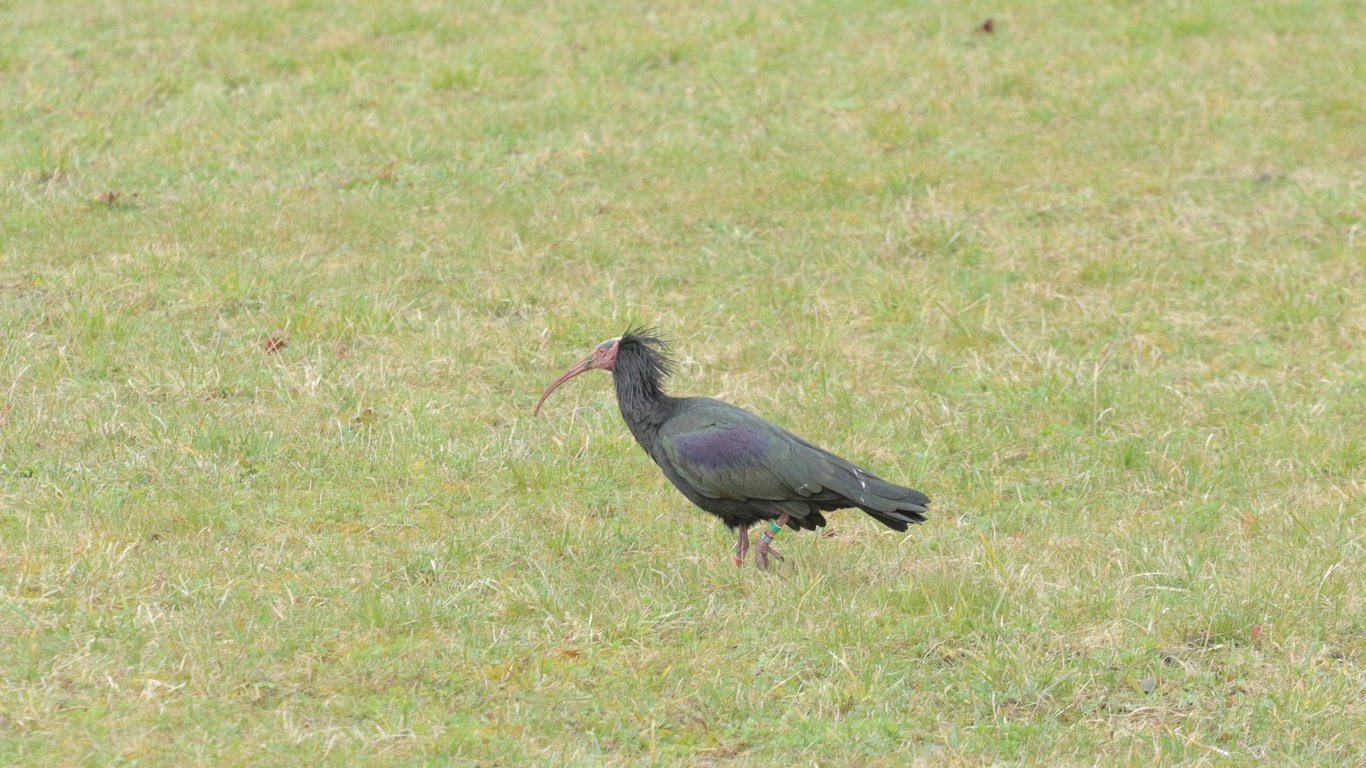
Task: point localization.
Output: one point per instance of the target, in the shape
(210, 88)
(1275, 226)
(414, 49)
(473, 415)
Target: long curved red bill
(579, 367)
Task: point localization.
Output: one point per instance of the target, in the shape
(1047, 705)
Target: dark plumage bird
(732, 463)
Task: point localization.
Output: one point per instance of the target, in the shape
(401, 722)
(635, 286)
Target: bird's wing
(739, 457)
(724, 452)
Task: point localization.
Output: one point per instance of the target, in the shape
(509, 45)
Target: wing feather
(726, 453)
(743, 460)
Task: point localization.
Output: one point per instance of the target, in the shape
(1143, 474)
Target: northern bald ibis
(732, 463)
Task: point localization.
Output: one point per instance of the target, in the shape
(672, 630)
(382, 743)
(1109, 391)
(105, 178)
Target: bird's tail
(898, 520)
(892, 505)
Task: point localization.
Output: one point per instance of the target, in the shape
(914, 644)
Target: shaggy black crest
(645, 354)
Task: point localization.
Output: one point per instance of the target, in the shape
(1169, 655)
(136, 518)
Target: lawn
(280, 283)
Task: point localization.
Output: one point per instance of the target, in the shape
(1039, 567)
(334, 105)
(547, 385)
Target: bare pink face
(603, 356)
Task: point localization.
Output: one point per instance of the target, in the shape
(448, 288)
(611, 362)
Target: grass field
(1095, 281)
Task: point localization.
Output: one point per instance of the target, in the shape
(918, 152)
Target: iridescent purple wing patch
(723, 447)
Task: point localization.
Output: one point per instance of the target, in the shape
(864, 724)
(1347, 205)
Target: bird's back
(734, 464)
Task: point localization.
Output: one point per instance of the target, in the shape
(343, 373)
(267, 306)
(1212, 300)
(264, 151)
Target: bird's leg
(764, 548)
(742, 546)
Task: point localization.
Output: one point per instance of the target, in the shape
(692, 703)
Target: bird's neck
(643, 405)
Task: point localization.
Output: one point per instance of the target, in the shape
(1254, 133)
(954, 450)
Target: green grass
(1094, 282)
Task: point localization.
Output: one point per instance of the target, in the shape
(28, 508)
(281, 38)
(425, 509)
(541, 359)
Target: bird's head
(645, 352)
(603, 356)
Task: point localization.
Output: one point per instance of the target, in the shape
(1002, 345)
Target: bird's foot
(741, 546)
(764, 549)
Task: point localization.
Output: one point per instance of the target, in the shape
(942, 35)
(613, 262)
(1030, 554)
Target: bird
(732, 463)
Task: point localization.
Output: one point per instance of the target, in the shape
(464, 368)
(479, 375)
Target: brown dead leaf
(111, 198)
